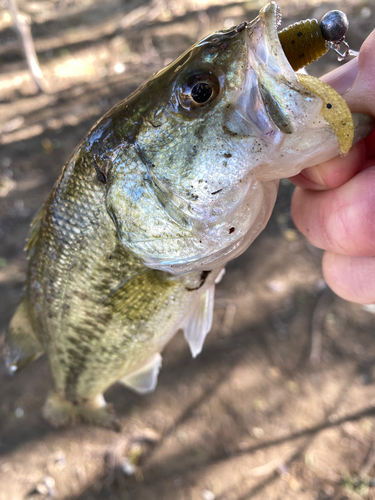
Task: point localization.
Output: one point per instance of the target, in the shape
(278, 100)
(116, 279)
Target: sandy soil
(281, 402)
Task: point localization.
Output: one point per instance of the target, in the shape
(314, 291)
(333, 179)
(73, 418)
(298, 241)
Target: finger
(333, 173)
(370, 144)
(340, 220)
(360, 96)
(352, 278)
(342, 78)
(355, 80)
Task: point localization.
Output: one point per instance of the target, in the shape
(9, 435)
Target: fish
(165, 189)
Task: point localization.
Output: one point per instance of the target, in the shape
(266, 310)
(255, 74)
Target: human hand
(334, 203)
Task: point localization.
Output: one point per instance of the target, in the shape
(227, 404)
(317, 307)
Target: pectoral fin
(145, 379)
(21, 345)
(200, 322)
(220, 276)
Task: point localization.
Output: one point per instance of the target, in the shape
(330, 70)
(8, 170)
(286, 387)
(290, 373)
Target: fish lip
(260, 105)
(270, 19)
(271, 102)
(271, 15)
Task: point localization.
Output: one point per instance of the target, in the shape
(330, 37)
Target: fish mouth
(274, 56)
(272, 100)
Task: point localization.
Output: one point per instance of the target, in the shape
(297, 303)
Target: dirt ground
(281, 402)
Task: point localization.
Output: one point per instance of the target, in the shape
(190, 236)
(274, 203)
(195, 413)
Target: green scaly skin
(92, 306)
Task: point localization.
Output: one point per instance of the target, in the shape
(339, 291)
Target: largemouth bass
(165, 189)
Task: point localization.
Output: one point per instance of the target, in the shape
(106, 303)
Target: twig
(145, 14)
(227, 324)
(24, 32)
(317, 324)
(370, 462)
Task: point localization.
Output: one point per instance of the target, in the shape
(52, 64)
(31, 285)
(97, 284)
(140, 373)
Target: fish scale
(99, 319)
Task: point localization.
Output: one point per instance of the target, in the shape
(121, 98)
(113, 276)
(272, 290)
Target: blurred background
(281, 402)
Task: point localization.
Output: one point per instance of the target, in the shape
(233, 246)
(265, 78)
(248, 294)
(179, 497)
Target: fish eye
(198, 91)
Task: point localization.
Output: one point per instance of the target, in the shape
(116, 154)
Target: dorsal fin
(34, 231)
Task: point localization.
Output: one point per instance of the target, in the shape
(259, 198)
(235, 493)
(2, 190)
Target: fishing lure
(306, 41)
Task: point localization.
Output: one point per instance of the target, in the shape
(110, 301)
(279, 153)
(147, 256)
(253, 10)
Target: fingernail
(363, 126)
(341, 79)
(313, 175)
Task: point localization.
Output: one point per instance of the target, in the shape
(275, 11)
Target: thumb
(356, 79)
(361, 95)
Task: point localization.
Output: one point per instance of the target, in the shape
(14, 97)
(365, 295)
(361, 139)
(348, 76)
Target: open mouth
(293, 48)
(272, 52)
(298, 44)
(272, 97)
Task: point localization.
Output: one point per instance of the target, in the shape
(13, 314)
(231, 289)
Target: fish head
(213, 133)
